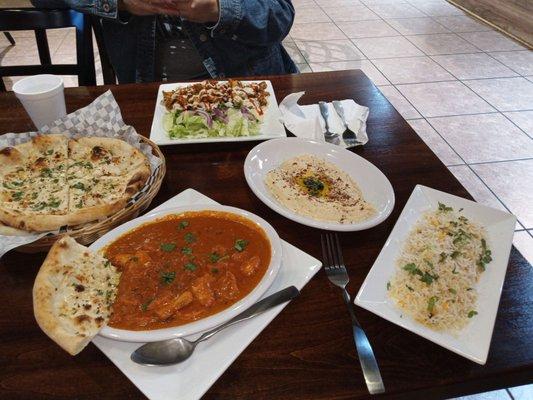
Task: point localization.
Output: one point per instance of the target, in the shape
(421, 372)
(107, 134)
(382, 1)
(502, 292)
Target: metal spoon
(174, 351)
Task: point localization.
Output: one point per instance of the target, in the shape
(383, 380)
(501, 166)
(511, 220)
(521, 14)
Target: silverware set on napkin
(348, 136)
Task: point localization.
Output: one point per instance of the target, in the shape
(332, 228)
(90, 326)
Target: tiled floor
(466, 89)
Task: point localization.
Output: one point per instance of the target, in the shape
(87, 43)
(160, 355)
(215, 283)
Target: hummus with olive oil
(317, 189)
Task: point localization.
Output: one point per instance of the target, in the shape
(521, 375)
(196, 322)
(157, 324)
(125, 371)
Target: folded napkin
(306, 121)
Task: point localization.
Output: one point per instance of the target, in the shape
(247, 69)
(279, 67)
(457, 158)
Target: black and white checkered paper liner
(101, 118)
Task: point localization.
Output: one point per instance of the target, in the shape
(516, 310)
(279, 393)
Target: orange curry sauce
(181, 268)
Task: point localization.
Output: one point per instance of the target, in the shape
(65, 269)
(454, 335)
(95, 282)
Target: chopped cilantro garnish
(168, 277)
(412, 269)
(79, 185)
(146, 304)
(189, 237)
(214, 270)
(214, 257)
(186, 250)
(442, 257)
(455, 254)
(168, 247)
(183, 225)
(17, 196)
(49, 152)
(190, 266)
(410, 288)
(453, 291)
(240, 244)
(428, 278)
(444, 207)
(472, 313)
(46, 172)
(431, 303)
(388, 285)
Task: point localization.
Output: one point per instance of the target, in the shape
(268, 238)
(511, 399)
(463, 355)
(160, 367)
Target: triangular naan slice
(73, 294)
(33, 192)
(101, 156)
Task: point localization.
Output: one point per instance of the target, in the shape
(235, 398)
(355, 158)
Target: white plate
(375, 186)
(473, 341)
(215, 319)
(271, 126)
(192, 378)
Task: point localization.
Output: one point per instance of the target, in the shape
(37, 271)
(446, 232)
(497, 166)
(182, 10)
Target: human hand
(149, 7)
(200, 11)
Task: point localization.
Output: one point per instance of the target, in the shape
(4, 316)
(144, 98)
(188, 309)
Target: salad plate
(204, 126)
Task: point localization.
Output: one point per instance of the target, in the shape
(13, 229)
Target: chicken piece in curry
(185, 267)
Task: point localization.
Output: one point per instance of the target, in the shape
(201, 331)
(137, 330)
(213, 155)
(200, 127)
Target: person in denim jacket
(194, 38)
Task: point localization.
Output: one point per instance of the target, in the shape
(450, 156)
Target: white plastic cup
(43, 98)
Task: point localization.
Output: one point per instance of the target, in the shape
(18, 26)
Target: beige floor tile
(474, 66)
(506, 94)
(338, 3)
(416, 26)
(303, 3)
(364, 29)
(494, 395)
(387, 47)
(18, 60)
(310, 14)
(519, 61)
(439, 99)
(435, 142)
(399, 102)
(491, 41)
(412, 70)
(393, 10)
(438, 8)
(304, 67)
(294, 52)
(484, 137)
(350, 13)
(524, 392)
(462, 23)
(524, 243)
(475, 186)
(524, 120)
(316, 31)
(364, 65)
(511, 181)
(329, 51)
(442, 43)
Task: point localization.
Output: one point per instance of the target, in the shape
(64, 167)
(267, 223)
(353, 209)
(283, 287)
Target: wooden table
(307, 352)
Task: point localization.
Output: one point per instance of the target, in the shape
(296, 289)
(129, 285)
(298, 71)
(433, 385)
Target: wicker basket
(88, 233)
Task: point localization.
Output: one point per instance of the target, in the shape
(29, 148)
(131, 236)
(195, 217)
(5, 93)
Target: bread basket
(89, 232)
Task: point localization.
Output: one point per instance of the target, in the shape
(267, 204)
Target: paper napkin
(306, 121)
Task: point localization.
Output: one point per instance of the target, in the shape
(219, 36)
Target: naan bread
(73, 294)
(41, 180)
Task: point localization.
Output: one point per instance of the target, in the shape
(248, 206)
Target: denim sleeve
(256, 22)
(101, 8)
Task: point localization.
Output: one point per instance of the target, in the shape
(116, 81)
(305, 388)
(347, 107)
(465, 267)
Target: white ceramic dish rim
(443, 339)
(266, 198)
(213, 320)
(272, 112)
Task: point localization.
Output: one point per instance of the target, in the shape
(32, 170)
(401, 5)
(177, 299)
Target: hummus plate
(375, 188)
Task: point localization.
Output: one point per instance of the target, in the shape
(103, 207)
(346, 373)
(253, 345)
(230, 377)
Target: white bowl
(215, 319)
(375, 186)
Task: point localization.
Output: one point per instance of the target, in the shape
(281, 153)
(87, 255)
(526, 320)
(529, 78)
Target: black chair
(39, 20)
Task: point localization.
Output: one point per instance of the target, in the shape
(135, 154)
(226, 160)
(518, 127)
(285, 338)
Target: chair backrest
(41, 19)
(18, 19)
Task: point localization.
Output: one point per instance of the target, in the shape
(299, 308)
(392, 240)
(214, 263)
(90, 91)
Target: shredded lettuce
(188, 125)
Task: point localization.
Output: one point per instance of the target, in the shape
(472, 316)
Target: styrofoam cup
(43, 98)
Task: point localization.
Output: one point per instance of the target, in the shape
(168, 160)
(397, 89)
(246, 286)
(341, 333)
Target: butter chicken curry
(185, 267)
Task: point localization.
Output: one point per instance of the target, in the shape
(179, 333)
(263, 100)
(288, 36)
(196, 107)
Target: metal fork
(349, 136)
(337, 274)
